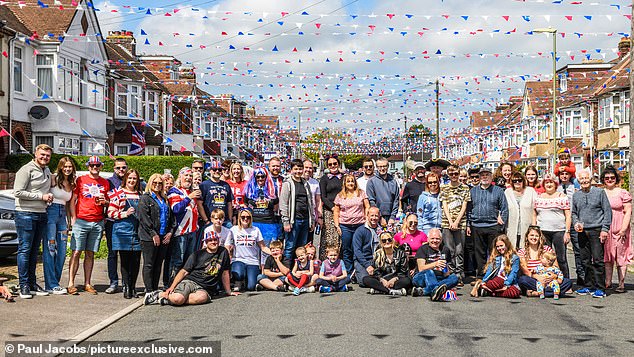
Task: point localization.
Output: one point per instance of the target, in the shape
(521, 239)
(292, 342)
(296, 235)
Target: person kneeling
(275, 269)
(502, 268)
(333, 275)
(390, 269)
(199, 278)
(434, 277)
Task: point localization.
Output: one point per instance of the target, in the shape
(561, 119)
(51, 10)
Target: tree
(326, 141)
(420, 140)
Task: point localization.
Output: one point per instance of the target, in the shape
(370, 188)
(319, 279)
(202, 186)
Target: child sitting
(275, 269)
(311, 251)
(302, 272)
(333, 275)
(547, 269)
(564, 164)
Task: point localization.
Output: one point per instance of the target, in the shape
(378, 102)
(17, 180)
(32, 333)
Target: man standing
(215, 194)
(297, 209)
(437, 166)
(591, 218)
(87, 218)
(364, 241)
(569, 188)
(199, 166)
(413, 189)
(368, 173)
(383, 192)
(309, 169)
(31, 189)
(120, 168)
(488, 218)
(454, 198)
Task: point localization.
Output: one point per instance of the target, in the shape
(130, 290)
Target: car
(8, 233)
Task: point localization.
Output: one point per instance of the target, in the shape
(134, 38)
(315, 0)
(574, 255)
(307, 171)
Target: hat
(209, 235)
(563, 151)
(474, 170)
(94, 160)
(437, 162)
(550, 177)
(215, 164)
(419, 165)
(485, 169)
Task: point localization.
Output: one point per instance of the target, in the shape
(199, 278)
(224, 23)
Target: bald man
(364, 241)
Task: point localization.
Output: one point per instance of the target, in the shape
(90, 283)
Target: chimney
(624, 46)
(187, 75)
(124, 38)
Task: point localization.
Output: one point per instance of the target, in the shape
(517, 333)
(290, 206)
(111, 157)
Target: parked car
(8, 234)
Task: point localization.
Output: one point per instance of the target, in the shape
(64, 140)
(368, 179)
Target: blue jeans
(528, 283)
(182, 247)
(240, 271)
(347, 231)
(112, 255)
(427, 280)
(31, 229)
(297, 237)
(54, 264)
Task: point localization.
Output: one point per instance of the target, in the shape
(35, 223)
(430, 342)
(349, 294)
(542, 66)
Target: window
(563, 82)
(129, 103)
(625, 107)
(93, 85)
(570, 123)
(48, 140)
(17, 69)
(616, 109)
(619, 159)
(68, 80)
(216, 129)
(207, 129)
(122, 100)
(68, 145)
(135, 101)
(151, 106)
(197, 123)
(121, 149)
(222, 130)
(44, 65)
(609, 116)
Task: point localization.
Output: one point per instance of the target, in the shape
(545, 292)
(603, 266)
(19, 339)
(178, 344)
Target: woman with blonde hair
(237, 184)
(351, 205)
(391, 270)
(502, 269)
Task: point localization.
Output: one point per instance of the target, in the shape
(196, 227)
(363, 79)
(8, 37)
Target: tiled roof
(12, 21)
(540, 97)
(54, 19)
(179, 88)
(618, 79)
(581, 86)
(125, 64)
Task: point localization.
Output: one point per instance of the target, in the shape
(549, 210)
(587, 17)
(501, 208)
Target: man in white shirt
(368, 172)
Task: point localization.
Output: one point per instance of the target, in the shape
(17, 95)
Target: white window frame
(94, 87)
(18, 69)
(625, 107)
(563, 82)
(68, 80)
(151, 107)
(197, 122)
(607, 111)
(133, 95)
(570, 123)
(45, 68)
(122, 150)
(215, 129)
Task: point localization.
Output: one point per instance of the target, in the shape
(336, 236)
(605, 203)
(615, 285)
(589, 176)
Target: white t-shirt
(314, 189)
(362, 182)
(246, 246)
(225, 235)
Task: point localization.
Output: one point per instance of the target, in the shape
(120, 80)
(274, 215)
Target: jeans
(112, 256)
(31, 229)
(591, 250)
(182, 247)
(55, 228)
(427, 280)
(455, 241)
(336, 286)
(375, 283)
(347, 231)
(297, 237)
(241, 271)
(528, 283)
(556, 241)
(360, 272)
(483, 238)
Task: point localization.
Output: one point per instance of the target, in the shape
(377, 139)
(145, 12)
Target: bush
(146, 165)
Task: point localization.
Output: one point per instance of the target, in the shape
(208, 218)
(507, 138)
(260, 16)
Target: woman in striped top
(530, 258)
(125, 239)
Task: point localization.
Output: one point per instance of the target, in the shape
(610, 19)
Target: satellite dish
(38, 112)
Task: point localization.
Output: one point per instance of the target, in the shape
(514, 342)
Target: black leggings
(556, 241)
(130, 265)
(153, 257)
(375, 283)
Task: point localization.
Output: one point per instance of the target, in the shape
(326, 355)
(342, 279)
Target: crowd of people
(219, 228)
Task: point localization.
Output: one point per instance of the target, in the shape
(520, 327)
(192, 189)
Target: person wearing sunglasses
(474, 176)
(413, 189)
(115, 181)
(383, 192)
(391, 271)
(368, 173)
(297, 209)
(215, 194)
(410, 238)
(520, 200)
(428, 208)
(260, 196)
(329, 185)
(434, 276)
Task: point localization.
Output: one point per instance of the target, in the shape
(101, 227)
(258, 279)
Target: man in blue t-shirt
(216, 194)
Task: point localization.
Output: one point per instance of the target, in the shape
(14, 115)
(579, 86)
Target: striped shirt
(118, 198)
(531, 264)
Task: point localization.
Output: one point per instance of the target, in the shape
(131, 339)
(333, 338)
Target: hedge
(146, 165)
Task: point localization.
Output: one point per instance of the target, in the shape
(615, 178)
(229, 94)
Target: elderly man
(364, 241)
(383, 192)
(591, 218)
(434, 276)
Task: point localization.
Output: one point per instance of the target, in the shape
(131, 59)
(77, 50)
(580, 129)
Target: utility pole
(405, 143)
(437, 120)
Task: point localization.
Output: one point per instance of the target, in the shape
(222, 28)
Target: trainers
(396, 292)
(403, 292)
(598, 294)
(372, 291)
(324, 289)
(303, 290)
(296, 291)
(58, 290)
(282, 288)
(259, 287)
(438, 292)
(417, 291)
(112, 289)
(556, 297)
(25, 293)
(238, 286)
(151, 298)
(39, 291)
(344, 288)
(311, 289)
(164, 301)
(542, 296)
(584, 291)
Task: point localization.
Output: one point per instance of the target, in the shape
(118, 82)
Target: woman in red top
(237, 184)
(532, 179)
(410, 238)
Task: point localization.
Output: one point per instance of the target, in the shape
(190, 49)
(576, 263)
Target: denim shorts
(86, 235)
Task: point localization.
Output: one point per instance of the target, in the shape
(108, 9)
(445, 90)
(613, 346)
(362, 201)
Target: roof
(180, 88)
(42, 21)
(125, 64)
(12, 21)
(539, 96)
(618, 79)
(581, 84)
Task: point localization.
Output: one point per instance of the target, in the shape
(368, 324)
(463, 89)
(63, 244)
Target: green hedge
(146, 165)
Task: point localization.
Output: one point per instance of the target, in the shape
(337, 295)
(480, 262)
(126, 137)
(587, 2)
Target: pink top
(616, 249)
(351, 210)
(414, 241)
(531, 264)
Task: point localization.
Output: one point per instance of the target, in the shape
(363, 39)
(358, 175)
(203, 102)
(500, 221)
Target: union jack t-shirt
(87, 190)
(185, 210)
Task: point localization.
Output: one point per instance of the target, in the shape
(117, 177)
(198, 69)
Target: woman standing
(237, 184)
(502, 176)
(552, 214)
(531, 174)
(502, 271)
(410, 238)
(521, 201)
(124, 202)
(246, 245)
(155, 230)
(259, 193)
(428, 207)
(391, 271)
(330, 185)
(618, 246)
(351, 206)
(530, 257)
(54, 247)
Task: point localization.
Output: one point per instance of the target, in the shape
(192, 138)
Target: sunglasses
(333, 163)
(121, 168)
(453, 173)
(94, 165)
(197, 167)
(216, 170)
(412, 222)
(534, 227)
(157, 183)
(474, 176)
(260, 177)
(432, 182)
(609, 178)
(225, 169)
(388, 240)
(516, 181)
(245, 217)
(368, 166)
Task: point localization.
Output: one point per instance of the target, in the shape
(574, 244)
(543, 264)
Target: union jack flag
(137, 146)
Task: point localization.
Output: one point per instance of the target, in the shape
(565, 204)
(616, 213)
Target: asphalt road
(357, 324)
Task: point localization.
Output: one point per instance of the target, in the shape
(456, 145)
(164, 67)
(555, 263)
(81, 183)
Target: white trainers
(58, 290)
(311, 289)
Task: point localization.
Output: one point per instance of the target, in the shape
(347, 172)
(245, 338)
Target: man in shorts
(200, 278)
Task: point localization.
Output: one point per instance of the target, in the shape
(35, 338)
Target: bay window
(44, 66)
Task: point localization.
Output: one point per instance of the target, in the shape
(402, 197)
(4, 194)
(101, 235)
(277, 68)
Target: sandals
(619, 290)
(532, 293)
(72, 290)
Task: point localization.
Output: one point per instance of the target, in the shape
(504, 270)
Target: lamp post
(299, 130)
(554, 116)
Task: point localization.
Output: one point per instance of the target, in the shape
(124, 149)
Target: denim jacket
(429, 212)
(511, 277)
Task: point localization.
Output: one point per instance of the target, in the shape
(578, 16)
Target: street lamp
(299, 130)
(553, 31)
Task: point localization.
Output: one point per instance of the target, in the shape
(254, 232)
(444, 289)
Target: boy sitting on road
(333, 275)
(275, 269)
